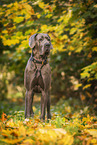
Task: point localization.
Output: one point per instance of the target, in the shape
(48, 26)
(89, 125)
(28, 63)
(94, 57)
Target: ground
(72, 123)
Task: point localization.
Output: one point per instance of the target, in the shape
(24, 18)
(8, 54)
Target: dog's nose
(47, 44)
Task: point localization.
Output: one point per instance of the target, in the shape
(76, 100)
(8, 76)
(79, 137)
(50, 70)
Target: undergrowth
(71, 123)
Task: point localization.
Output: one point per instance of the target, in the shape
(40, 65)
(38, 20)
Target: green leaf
(72, 31)
(85, 74)
(18, 19)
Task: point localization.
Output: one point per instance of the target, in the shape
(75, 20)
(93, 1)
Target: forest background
(72, 26)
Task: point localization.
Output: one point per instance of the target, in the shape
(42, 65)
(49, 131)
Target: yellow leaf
(10, 5)
(79, 49)
(71, 48)
(46, 135)
(4, 31)
(5, 133)
(69, 53)
(72, 31)
(92, 132)
(94, 141)
(78, 85)
(59, 136)
(86, 86)
(41, 5)
(10, 123)
(30, 132)
(27, 7)
(28, 16)
(64, 37)
(34, 108)
(18, 19)
(43, 27)
(22, 131)
(38, 16)
(85, 74)
(94, 49)
(27, 142)
(12, 141)
(95, 6)
(60, 130)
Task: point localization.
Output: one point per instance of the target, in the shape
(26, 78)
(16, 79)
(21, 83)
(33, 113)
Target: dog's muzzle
(47, 45)
(46, 49)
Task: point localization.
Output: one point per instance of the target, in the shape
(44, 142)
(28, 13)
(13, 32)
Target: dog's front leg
(28, 104)
(32, 113)
(48, 106)
(43, 104)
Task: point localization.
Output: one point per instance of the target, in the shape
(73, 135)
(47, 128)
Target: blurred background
(72, 26)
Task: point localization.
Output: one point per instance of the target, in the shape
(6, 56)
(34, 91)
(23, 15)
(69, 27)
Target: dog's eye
(41, 39)
(48, 38)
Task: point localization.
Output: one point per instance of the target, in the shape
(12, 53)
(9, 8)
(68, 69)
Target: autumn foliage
(72, 26)
(70, 124)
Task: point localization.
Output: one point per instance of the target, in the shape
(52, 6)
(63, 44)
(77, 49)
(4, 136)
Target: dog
(37, 75)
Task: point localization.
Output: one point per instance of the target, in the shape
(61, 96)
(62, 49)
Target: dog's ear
(32, 41)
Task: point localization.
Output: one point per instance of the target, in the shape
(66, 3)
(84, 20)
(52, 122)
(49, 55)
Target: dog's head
(41, 42)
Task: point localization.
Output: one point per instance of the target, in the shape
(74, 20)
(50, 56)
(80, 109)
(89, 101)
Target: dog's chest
(37, 77)
(37, 83)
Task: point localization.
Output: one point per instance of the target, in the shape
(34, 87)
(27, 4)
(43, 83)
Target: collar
(43, 62)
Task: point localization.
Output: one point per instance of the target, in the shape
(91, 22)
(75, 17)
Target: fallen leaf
(27, 142)
(4, 117)
(12, 141)
(92, 132)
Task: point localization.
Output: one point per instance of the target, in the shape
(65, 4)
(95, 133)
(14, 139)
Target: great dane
(37, 76)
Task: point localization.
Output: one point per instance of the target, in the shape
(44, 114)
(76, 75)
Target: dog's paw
(29, 116)
(49, 116)
(42, 117)
(32, 115)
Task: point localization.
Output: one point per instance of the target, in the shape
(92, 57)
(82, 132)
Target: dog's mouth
(45, 53)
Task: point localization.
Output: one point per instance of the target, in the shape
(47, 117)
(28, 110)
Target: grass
(71, 123)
